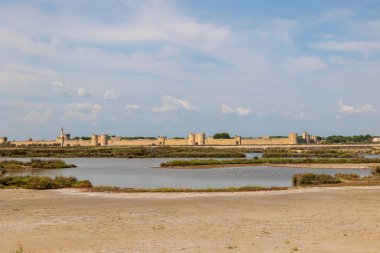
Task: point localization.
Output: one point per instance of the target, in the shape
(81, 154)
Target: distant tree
(222, 136)
(81, 138)
(348, 139)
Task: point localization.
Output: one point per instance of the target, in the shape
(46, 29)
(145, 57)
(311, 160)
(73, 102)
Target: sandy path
(313, 220)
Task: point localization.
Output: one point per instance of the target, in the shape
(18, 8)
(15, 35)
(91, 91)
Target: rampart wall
(193, 140)
(266, 141)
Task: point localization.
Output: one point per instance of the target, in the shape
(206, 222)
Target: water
(253, 155)
(372, 156)
(145, 173)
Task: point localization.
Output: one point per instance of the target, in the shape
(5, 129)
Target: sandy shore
(337, 220)
(364, 166)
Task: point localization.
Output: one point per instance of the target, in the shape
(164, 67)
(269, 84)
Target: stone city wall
(194, 139)
(33, 143)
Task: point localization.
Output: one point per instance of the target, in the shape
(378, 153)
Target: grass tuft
(314, 179)
(42, 183)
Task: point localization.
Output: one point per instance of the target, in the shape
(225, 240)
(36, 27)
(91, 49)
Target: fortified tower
(103, 140)
(200, 139)
(237, 140)
(293, 138)
(94, 140)
(3, 140)
(161, 140)
(306, 137)
(191, 140)
(63, 137)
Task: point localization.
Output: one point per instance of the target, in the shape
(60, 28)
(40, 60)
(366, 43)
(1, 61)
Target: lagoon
(146, 173)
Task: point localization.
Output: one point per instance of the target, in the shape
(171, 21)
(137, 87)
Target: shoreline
(177, 195)
(360, 166)
(317, 219)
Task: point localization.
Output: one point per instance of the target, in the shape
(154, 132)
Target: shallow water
(145, 173)
(372, 156)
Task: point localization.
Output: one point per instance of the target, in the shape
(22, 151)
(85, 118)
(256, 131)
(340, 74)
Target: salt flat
(340, 219)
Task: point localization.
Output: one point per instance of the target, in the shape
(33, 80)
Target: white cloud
(349, 46)
(337, 14)
(85, 112)
(281, 114)
(358, 110)
(280, 30)
(111, 95)
(37, 117)
(240, 111)
(145, 22)
(174, 104)
(305, 64)
(60, 88)
(158, 22)
(132, 107)
(293, 115)
(81, 92)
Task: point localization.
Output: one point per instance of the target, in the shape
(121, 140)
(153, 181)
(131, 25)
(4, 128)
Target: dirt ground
(319, 220)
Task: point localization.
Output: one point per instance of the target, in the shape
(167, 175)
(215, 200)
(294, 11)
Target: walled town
(194, 139)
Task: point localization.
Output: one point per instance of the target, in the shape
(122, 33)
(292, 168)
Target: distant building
(376, 139)
(63, 137)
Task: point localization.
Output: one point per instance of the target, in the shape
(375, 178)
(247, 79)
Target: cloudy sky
(171, 67)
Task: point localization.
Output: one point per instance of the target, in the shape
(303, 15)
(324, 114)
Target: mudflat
(341, 219)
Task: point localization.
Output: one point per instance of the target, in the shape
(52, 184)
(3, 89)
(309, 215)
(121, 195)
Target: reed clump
(314, 179)
(349, 177)
(196, 162)
(42, 183)
(120, 152)
(309, 153)
(12, 165)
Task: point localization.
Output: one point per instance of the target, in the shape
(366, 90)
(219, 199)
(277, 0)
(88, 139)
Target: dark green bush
(82, 184)
(313, 179)
(342, 176)
(42, 183)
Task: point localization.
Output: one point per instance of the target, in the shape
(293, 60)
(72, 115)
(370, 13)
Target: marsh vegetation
(42, 183)
(13, 165)
(260, 161)
(310, 153)
(120, 152)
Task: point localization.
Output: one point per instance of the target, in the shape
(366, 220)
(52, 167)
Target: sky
(149, 68)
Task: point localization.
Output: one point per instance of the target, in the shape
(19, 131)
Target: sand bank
(338, 219)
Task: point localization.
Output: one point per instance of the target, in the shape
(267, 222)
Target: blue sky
(153, 68)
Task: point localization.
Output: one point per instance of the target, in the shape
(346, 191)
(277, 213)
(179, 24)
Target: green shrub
(314, 179)
(49, 164)
(65, 181)
(82, 184)
(42, 183)
(342, 176)
(11, 165)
